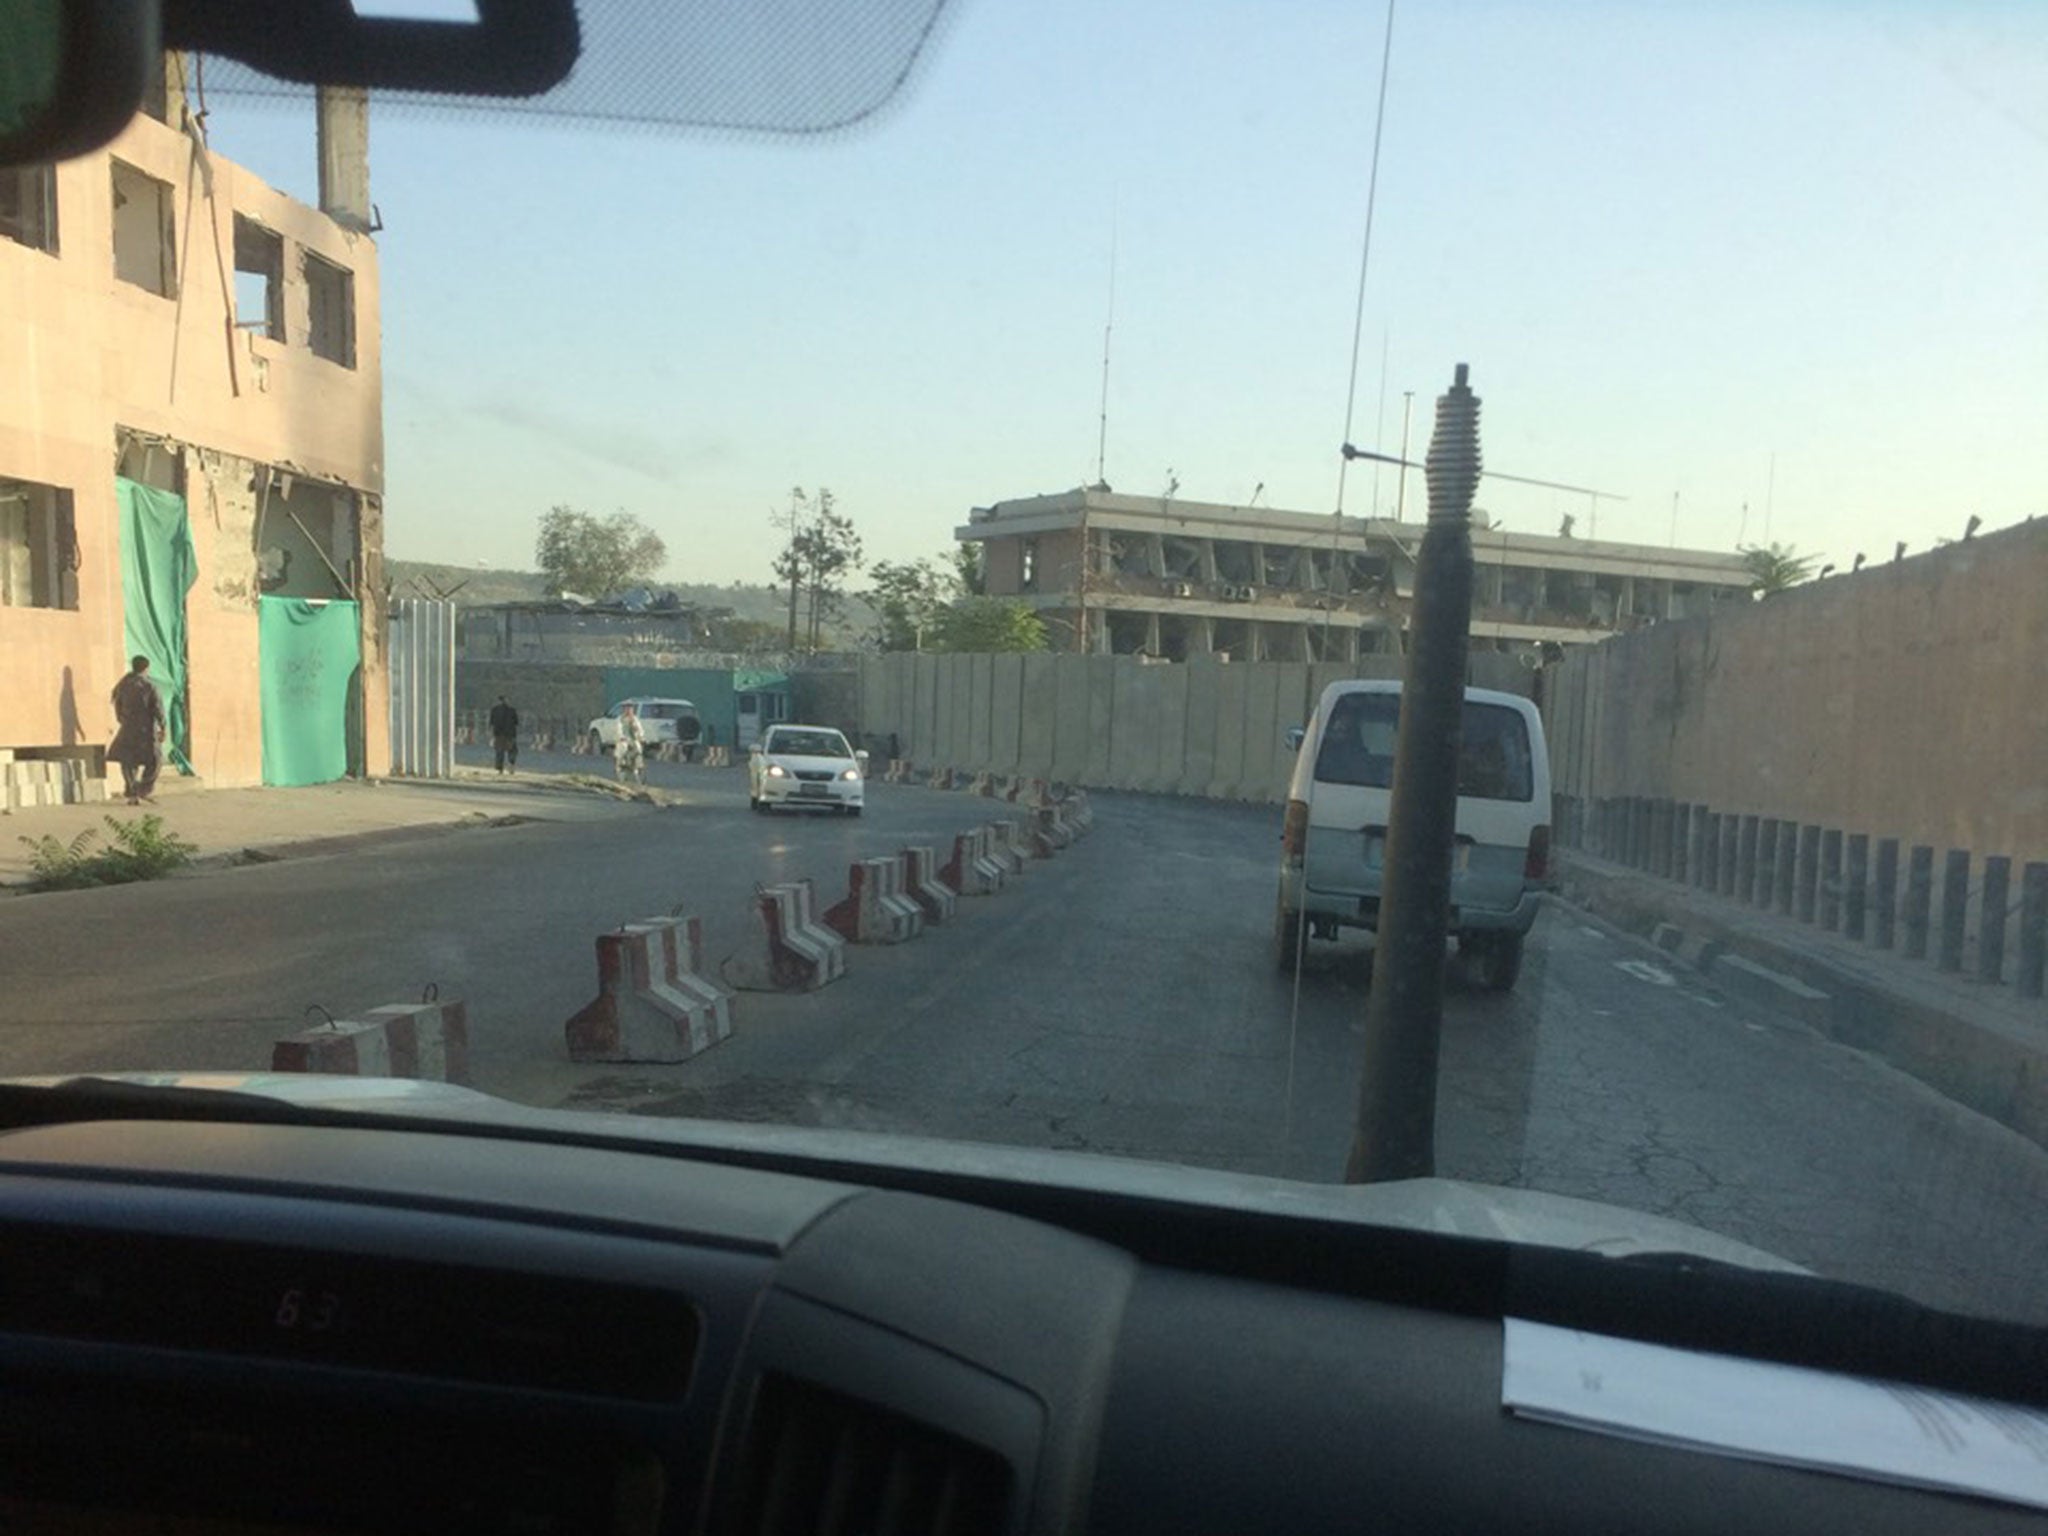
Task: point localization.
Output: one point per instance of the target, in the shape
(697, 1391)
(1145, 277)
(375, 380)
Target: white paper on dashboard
(1764, 1411)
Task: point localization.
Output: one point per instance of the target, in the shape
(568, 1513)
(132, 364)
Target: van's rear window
(1358, 748)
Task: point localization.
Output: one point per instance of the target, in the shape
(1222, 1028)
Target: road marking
(1592, 933)
(1642, 970)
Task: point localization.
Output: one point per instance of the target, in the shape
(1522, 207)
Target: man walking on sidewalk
(505, 735)
(139, 732)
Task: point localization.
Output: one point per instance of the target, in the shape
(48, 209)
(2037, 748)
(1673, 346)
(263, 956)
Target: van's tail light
(1294, 831)
(1537, 867)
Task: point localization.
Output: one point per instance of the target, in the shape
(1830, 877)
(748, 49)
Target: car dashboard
(218, 1328)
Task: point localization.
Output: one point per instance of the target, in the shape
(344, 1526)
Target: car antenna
(1396, 1132)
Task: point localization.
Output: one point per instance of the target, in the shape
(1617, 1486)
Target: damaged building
(191, 457)
(1146, 575)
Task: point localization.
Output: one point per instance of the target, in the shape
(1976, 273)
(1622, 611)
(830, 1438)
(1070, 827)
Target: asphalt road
(1121, 999)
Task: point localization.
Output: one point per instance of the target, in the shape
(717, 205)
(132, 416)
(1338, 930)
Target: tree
(1775, 567)
(831, 549)
(909, 596)
(820, 544)
(596, 556)
(970, 575)
(985, 624)
(789, 560)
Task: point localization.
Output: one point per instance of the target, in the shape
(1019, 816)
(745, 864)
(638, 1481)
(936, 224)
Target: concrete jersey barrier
(922, 885)
(653, 1003)
(876, 911)
(427, 1040)
(970, 870)
(797, 954)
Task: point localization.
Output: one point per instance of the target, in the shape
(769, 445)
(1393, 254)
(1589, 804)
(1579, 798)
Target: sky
(1759, 271)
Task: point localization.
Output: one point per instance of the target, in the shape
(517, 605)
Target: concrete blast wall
(1905, 700)
(1864, 753)
(1203, 727)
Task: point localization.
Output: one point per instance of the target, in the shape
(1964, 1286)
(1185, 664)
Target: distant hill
(756, 603)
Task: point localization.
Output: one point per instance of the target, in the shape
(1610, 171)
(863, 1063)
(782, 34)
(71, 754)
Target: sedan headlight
(777, 771)
(851, 773)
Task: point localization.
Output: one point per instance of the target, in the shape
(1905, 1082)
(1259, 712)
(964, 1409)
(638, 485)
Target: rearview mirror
(72, 73)
(1293, 737)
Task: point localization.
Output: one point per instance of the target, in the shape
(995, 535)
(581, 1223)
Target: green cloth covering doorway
(158, 567)
(308, 655)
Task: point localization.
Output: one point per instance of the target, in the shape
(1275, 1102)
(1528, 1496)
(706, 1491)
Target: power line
(1372, 188)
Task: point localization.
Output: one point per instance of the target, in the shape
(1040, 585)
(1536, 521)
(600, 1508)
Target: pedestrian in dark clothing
(139, 732)
(505, 735)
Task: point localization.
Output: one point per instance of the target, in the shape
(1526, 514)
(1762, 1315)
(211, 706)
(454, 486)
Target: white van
(1334, 833)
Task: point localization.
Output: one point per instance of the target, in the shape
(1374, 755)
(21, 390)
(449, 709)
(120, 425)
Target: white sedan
(811, 765)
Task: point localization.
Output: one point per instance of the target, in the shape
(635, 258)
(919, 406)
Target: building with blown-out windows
(1147, 575)
(191, 456)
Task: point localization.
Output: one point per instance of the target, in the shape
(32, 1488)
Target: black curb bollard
(2033, 929)
(1681, 828)
(1856, 886)
(1991, 916)
(1642, 832)
(1887, 903)
(1782, 879)
(1919, 900)
(1828, 912)
(1696, 845)
(1955, 908)
(1660, 840)
(1809, 873)
(1710, 852)
(1745, 859)
(1766, 861)
(1731, 839)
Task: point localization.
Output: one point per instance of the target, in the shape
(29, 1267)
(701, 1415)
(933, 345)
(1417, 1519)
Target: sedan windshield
(808, 744)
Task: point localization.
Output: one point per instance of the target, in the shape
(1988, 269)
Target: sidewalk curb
(1982, 1065)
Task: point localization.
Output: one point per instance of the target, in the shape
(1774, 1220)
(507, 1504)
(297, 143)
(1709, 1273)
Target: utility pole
(1401, 481)
(1396, 1133)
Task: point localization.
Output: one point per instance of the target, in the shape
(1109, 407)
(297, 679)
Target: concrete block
(1917, 913)
(1955, 909)
(426, 1040)
(875, 909)
(653, 1001)
(1991, 918)
(797, 953)
(1884, 893)
(2033, 929)
(921, 883)
(970, 869)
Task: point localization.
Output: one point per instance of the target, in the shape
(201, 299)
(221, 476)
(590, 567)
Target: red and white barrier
(983, 784)
(970, 870)
(798, 953)
(653, 1002)
(1048, 833)
(875, 910)
(718, 757)
(427, 1040)
(1006, 847)
(921, 883)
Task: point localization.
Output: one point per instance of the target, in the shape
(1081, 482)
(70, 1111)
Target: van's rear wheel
(1495, 958)
(1286, 939)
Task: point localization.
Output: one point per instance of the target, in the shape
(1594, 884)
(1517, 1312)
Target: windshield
(354, 464)
(808, 744)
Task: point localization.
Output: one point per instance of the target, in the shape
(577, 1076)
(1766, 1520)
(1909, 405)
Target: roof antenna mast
(1108, 325)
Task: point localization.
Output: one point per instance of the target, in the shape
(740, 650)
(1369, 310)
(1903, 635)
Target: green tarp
(158, 568)
(308, 654)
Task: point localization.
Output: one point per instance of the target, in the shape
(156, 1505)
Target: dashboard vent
(820, 1464)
